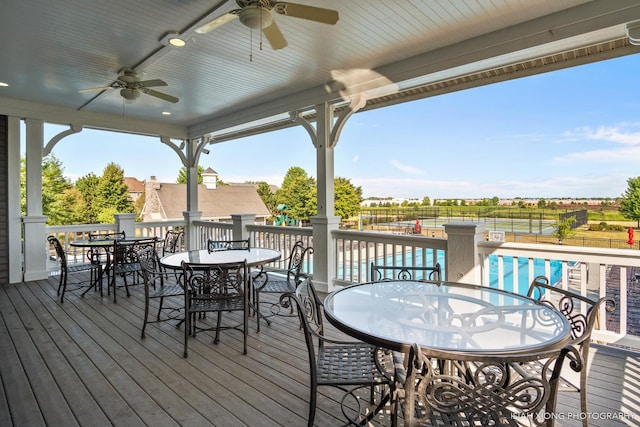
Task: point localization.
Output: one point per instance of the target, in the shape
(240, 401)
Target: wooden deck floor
(83, 363)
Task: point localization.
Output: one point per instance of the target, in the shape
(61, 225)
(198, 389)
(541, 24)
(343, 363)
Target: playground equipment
(282, 218)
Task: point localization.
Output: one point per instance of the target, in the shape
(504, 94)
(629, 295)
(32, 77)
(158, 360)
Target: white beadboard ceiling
(389, 51)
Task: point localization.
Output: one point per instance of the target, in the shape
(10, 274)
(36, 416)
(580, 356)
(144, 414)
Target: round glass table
(445, 316)
(254, 257)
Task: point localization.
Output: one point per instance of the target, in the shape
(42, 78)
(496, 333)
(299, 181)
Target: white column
(190, 232)
(35, 243)
(240, 222)
(13, 202)
(126, 222)
(324, 251)
(324, 266)
(463, 261)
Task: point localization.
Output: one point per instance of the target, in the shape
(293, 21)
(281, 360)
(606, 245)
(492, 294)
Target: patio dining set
(423, 351)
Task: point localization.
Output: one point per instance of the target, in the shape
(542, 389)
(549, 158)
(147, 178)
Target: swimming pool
(523, 272)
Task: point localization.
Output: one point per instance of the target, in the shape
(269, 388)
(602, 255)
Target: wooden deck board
(83, 363)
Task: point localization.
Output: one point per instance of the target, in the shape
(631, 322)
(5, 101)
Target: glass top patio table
(446, 316)
(254, 257)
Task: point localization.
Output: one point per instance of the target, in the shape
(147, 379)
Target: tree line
(95, 199)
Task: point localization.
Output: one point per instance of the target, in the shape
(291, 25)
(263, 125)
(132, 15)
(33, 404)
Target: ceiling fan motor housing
(255, 16)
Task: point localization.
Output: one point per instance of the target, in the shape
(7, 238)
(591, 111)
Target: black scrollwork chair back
(172, 242)
(219, 289)
(583, 315)
(104, 256)
(454, 390)
(159, 285)
(223, 245)
(337, 363)
(268, 281)
(398, 272)
(125, 262)
(66, 268)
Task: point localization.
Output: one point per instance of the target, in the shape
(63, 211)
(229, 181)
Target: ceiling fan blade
(274, 36)
(312, 13)
(160, 95)
(96, 89)
(152, 83)
(218, 22)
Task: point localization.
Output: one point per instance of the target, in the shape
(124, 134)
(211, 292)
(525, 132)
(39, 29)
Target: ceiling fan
(256, 14)
(131, 87)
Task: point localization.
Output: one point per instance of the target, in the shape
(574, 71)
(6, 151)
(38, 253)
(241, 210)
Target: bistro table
(474, 339)
(446, 316)
(106, 244)
(254, 256)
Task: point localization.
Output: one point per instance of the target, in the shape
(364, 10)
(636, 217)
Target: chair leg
(187, 327)
(160, 308)
(312, 406)
(146, 314)
(583, 395)
(62, 286)
(218, 322)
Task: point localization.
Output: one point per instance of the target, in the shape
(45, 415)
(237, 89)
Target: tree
(347, 198)
(69, 208)
(88, 187)
(54, 184)
(267, 196)
(182, 175)
(563, 229)
(112, 195)
(630, 202)
(298, 191)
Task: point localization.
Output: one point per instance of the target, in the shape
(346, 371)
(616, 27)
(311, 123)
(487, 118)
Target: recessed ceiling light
(166, 113)
(3, 84)
(173, 39)
(177, 42)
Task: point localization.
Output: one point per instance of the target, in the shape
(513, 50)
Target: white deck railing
(356, 250)
(594, 272)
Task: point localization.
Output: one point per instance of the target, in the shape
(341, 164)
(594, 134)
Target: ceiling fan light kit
(130, 94)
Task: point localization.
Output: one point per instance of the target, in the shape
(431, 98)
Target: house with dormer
(166, 201)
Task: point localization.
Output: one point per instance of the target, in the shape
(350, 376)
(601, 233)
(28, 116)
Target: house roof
(382, 52)
(134, 185)
(218, 203)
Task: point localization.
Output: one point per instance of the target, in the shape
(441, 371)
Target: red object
(418, 228)
(630, 232)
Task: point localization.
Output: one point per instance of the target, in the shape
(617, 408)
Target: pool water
(523, 272)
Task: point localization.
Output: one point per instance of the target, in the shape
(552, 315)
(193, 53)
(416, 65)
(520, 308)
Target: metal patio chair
(583, 314)
(95, 270)
(219, 289)
(398, 272)
(266, 281)
(349, 366)
(452, 389)
(158, 285)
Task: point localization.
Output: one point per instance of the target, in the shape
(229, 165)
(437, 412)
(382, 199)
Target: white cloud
(406, 168)
(624, 137)
(562, 186)
(356, 158)
(617, 134)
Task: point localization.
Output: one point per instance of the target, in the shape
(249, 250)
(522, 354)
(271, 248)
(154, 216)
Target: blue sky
(568, 133)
